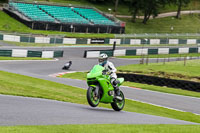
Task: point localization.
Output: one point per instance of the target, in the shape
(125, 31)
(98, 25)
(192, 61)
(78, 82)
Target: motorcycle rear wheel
(118, 105)
(92, 100)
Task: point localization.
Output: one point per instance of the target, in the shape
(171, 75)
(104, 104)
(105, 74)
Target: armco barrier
(29, 53)
(1, 37)
(7, 53)
(139, 51)
(182, 84)
(58, 53)
(96, 53)
(34, 54)
(63, 40)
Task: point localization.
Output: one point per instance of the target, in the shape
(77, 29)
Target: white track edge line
(152, 103)
(27, 60)
(163, 92)
(160, 106)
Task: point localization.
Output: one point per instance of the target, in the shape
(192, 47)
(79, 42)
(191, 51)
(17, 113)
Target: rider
(110, 68)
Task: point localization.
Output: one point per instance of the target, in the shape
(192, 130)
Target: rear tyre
(118, 105)
(91, 98)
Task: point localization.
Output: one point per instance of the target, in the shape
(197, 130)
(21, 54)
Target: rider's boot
(117, 93)
(115, 83)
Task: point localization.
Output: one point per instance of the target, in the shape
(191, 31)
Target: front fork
(97, 91)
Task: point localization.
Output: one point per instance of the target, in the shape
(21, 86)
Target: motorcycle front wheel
(91, 98)
(118, 105)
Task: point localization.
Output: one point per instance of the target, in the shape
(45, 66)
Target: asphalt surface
(34, 111)
(42, 69)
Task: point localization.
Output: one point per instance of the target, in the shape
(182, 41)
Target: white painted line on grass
(163, 92)
(26, 60)
(60, 73)
(156, 105)
(54, 75)
(159, 105)
(84, 46)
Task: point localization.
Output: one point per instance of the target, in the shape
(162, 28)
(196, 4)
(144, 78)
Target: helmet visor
(101, 60)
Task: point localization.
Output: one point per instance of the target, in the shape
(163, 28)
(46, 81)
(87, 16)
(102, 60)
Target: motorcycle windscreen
(95, 72)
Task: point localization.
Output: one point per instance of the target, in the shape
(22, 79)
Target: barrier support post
(114, 45)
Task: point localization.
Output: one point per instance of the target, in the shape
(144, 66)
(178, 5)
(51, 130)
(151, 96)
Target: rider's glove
(104, 72)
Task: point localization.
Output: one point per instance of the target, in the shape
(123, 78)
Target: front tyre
(91, 98)
(118, 105)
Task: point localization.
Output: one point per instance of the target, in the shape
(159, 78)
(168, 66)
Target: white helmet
(103, 59)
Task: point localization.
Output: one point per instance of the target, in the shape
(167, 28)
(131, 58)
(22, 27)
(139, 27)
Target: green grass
(163, 25)
(32, 87)
(162, 56)
(82, 76)
(193, 5)
(123, 8)
(76, 75)
(24, 44)
(23, 58)
(102, 128)
(175, 70)
(162, 89)
(8, 24)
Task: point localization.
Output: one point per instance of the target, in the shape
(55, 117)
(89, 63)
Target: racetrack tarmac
(42, 70)
(16, 110)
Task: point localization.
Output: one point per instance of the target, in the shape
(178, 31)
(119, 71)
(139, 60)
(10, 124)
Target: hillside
(188, 23)
(9, 24)
(123, 8)
(161, 25)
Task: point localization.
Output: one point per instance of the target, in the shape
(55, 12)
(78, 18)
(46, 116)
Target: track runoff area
(43, 69)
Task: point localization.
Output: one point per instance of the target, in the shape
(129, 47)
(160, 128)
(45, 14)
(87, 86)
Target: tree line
(148, 7)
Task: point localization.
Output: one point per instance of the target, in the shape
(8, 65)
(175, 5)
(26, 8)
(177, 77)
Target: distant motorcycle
(67, 65)
(101, 90)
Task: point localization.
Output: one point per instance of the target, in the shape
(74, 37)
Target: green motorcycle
(101, 90)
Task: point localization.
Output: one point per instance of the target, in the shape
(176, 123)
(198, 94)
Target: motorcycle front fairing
(107, 88)
(95, 77)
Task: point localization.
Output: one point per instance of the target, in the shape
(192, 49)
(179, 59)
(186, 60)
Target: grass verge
(82, 76)
(102, 128)
(9, 24)
(24, 44)
(174, 70)
(32, 87)
(162, 56)
(23, 58)
(163, 25)
(123, 7)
